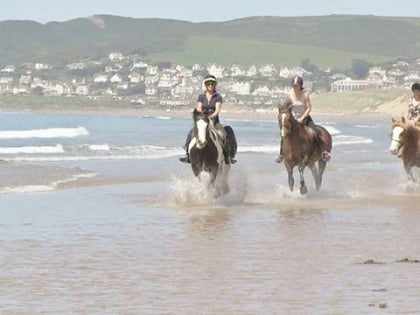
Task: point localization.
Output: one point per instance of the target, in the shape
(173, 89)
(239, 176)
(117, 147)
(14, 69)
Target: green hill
(329, 41)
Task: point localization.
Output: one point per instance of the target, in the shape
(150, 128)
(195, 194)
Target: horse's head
(201, 126)
(398, 129)
(285, 116)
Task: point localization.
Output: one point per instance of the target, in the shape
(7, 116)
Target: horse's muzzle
(200, 144)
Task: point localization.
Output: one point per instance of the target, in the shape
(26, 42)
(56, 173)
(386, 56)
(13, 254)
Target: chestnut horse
(405, 141)
(300, 147)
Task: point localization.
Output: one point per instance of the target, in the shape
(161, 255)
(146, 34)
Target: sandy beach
(100, 217)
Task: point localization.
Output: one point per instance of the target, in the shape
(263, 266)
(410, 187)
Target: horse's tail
(325, 137)
(231, 143)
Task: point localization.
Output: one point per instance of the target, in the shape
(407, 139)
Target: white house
(9, 69)
(197, 67)
(25, 79)
(267, 70)
(116, 56)
(348, 85)
(139, 65)
(252, 71)
(216, 70)
(101, 78)
(241, 88)
(237, 71)
(262, 91)
(76, 66)
(151, 90)
(116, 78)
(6, 80)
(42, 66)
(135, 77)
(82, 90)
(152, 70)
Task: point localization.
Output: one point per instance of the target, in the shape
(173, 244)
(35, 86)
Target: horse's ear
(285, 105)
(393, 120)
(403, 119)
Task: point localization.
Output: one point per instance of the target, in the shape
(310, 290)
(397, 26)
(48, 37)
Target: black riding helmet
(297, 80)
(415, 86)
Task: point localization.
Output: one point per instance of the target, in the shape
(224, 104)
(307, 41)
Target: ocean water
(98, 216)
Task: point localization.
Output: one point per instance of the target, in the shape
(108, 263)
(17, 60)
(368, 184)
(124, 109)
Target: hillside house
(216, 70)
(101, 78)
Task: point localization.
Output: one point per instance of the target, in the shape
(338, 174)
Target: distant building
(348, 85)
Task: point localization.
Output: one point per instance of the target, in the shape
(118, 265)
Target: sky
(44, 11)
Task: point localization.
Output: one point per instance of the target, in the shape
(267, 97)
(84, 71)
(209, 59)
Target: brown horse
(405, 142)
(301, 148)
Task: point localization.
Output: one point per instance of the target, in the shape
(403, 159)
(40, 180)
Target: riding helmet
(415, 86)
(297, 80)
(210, 78)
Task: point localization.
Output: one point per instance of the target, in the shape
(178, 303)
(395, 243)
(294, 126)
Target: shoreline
(228, 113)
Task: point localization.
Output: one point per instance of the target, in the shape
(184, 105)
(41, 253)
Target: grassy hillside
(247, 51)
(327, 41)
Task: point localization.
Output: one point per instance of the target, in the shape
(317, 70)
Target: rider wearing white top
(413, 111)
(301, 108)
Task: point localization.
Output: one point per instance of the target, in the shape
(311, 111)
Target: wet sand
(142, 238)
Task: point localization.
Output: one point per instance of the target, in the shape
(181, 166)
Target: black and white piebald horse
(206, 153)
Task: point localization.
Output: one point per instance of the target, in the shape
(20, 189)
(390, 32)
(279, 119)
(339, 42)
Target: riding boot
(279, 158)
(186, 158)
(325, 155)
(228, 158)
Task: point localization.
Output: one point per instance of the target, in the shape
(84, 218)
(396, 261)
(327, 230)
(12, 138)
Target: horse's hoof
(226, 190)
(184, 159)
(303, 190)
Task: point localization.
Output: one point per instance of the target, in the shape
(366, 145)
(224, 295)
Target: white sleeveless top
(299, 106)
(414, 108)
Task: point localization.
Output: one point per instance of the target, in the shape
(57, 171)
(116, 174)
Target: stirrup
(185, 159)
(279, 159)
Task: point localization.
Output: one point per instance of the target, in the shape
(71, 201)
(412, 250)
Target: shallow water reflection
(97, 250)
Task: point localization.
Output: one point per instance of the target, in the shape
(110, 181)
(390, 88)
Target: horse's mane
(411, 135)
(285, 106)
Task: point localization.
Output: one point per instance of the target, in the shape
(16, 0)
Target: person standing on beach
(301, 109)
(413, 111)
(210, 103)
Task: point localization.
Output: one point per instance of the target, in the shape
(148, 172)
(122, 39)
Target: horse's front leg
(409, 170)
(213, 176)
(411, 177)
(291, 179)
(303, 189)
(289, 167)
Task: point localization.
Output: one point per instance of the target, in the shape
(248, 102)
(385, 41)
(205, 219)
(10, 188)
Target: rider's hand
(299, 120)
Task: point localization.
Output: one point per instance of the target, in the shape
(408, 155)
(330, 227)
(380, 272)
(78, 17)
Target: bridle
(286, 122)
(397, 140)
(210, 131)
